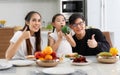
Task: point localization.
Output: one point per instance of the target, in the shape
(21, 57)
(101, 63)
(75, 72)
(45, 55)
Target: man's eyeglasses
(75, 25)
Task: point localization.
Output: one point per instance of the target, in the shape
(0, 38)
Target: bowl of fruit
(47, 63)
(46, 57)
(108, 57)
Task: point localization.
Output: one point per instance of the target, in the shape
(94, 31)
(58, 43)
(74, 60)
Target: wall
(113, 20)
(44, 37)
(14, 11)
(93, 13)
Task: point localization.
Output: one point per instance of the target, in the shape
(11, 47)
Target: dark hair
(73, 17)
(54, 17)
(37, 34)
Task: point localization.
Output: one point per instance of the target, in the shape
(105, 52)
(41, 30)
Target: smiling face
(59, 22)
(34, 23)
(79, 26)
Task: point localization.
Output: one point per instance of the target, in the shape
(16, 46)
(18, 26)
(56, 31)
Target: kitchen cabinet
(5, 36)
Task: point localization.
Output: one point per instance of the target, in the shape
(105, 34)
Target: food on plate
(80, 59)
(65, 29)
(30, 57)
(72, 55)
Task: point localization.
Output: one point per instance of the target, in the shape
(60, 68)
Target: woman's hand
(92, 43)
(26, 34)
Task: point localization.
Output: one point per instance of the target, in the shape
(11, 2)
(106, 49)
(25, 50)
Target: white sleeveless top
(64, 47)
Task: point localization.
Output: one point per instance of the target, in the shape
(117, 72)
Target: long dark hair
(54, 17)
(37, 35)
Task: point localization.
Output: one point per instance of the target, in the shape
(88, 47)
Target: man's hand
(92, 43)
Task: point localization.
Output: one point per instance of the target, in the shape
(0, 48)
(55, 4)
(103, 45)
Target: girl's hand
(67, 35)
(92, 43)
(70, 39)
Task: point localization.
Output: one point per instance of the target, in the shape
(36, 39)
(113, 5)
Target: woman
(88, 41)
(28, 40)
(60, 42)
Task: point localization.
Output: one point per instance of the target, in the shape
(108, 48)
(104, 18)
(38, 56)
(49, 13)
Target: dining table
(93, 68)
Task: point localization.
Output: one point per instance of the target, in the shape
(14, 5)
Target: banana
(105, 54)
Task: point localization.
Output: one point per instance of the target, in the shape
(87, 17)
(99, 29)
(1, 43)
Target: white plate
(58, 71)
(5, 66)
(21, 62)
(82, 63)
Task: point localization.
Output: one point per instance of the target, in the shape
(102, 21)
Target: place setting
(58, 71)
(4, 64)
(78, 60)
(63, 71)
(21, 63)
(6, 67)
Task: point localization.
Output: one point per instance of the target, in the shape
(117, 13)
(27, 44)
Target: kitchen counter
(94, 68)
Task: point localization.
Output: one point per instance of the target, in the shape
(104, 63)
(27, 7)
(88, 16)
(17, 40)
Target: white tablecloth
(94, 68)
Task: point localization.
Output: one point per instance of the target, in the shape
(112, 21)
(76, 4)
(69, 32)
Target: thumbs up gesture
(26, 34)
(92, 43)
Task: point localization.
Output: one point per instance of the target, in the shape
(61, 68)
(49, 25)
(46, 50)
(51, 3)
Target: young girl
(28, 40)
(60, 42)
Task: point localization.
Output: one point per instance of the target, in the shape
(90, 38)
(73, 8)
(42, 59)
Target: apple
(39, 55)
(54, 55)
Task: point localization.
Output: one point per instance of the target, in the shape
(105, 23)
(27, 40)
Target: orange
(48, 57)
(114, 51)
(48, 50)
